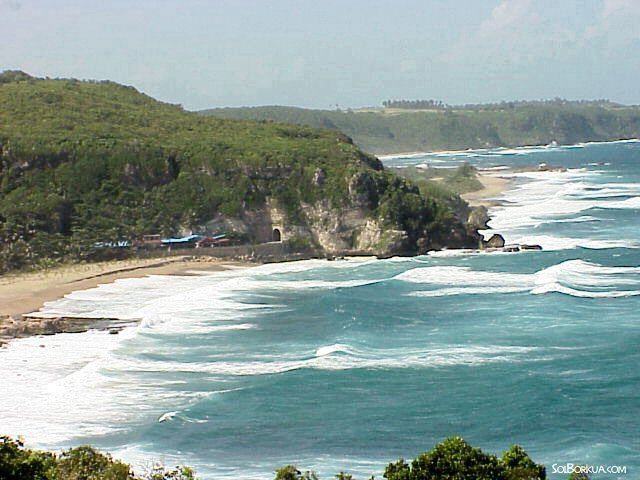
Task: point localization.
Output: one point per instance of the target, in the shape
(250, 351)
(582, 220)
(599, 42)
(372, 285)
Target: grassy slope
(88, 161)
(528, 124)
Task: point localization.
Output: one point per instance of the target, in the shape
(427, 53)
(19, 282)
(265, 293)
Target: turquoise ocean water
(348, 365)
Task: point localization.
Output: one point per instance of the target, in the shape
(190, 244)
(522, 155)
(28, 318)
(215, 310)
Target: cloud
(617, 23)
(10, 4)
(612, 8)
(508, 14)
(509, 38)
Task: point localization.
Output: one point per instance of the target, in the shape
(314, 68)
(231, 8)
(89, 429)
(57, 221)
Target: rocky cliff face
(84, 164)
(339, 232)
(383, 217)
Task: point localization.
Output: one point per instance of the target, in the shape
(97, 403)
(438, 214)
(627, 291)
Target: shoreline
(24, 294)
(492, 187)
(409, 154)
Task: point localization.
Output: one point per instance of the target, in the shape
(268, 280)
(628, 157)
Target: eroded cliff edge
(85, 164)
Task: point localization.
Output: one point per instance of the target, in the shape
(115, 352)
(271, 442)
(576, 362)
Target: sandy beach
(492, 187)
(24, 293)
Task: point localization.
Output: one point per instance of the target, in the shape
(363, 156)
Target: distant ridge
(443, 127)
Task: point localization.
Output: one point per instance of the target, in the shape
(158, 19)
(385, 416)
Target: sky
(332, 53)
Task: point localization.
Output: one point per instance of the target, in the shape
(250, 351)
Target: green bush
(86, 463)
(80, 463)
(455, 459)
(18, 463)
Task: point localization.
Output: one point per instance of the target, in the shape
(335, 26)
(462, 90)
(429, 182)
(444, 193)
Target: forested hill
(83, 163)
(393, 130)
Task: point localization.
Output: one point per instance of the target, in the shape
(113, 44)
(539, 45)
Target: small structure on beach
(188, 241)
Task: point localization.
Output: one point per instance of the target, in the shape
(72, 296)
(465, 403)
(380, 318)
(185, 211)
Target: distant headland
(430, 125)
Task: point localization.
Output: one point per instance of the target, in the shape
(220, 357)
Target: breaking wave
(576, 278)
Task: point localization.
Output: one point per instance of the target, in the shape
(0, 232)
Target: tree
(86, 463)
(158, 472)
(399, 470)
(519, 466)
(18, 463)
(455, 459)
(290, 472)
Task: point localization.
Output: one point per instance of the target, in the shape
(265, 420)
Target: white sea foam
(335, 348)
(494, 169)
(447, 275)
(573, 277)
(445, 292)
(455, 252)
(559, 197)
(500, 150)
(556, 287)
(158, 299)
(341, 357)
(111, 382)
(62, 388)
(630, 203)
(108, 394)
(552, 242)
(92, 385)
(583, 279)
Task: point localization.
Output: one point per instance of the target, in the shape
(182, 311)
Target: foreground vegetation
(83, 163)
(452, 459)
(81, 463)
(442, 127)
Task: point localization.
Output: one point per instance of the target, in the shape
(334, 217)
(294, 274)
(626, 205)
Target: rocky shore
(21, 326)
(23, 295)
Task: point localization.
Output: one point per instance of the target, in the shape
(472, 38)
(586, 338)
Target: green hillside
(513, 124)
(83, 162)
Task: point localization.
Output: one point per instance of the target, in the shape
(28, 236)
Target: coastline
(492, 187)
(390, 156)
(23, 294)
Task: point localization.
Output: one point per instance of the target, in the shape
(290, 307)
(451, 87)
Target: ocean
(350, 364)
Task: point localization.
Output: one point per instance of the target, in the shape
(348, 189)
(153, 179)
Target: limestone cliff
(84, 164)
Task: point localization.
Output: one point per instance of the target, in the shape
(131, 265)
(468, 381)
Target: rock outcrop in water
(496, 241)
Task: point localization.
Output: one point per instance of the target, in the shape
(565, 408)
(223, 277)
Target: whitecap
(451, 275)
(331, 349)
(572, 277)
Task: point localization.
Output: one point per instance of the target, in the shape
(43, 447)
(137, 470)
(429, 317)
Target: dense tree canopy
(455, 459)
(451, 459)
(84, 162)
(408, 126)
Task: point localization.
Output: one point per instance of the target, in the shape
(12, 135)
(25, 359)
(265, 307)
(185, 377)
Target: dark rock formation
(496, 241)
(478, 218)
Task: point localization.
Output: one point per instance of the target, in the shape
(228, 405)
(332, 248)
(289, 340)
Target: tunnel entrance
(276, 236)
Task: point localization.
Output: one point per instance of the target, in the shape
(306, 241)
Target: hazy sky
(323, 53)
